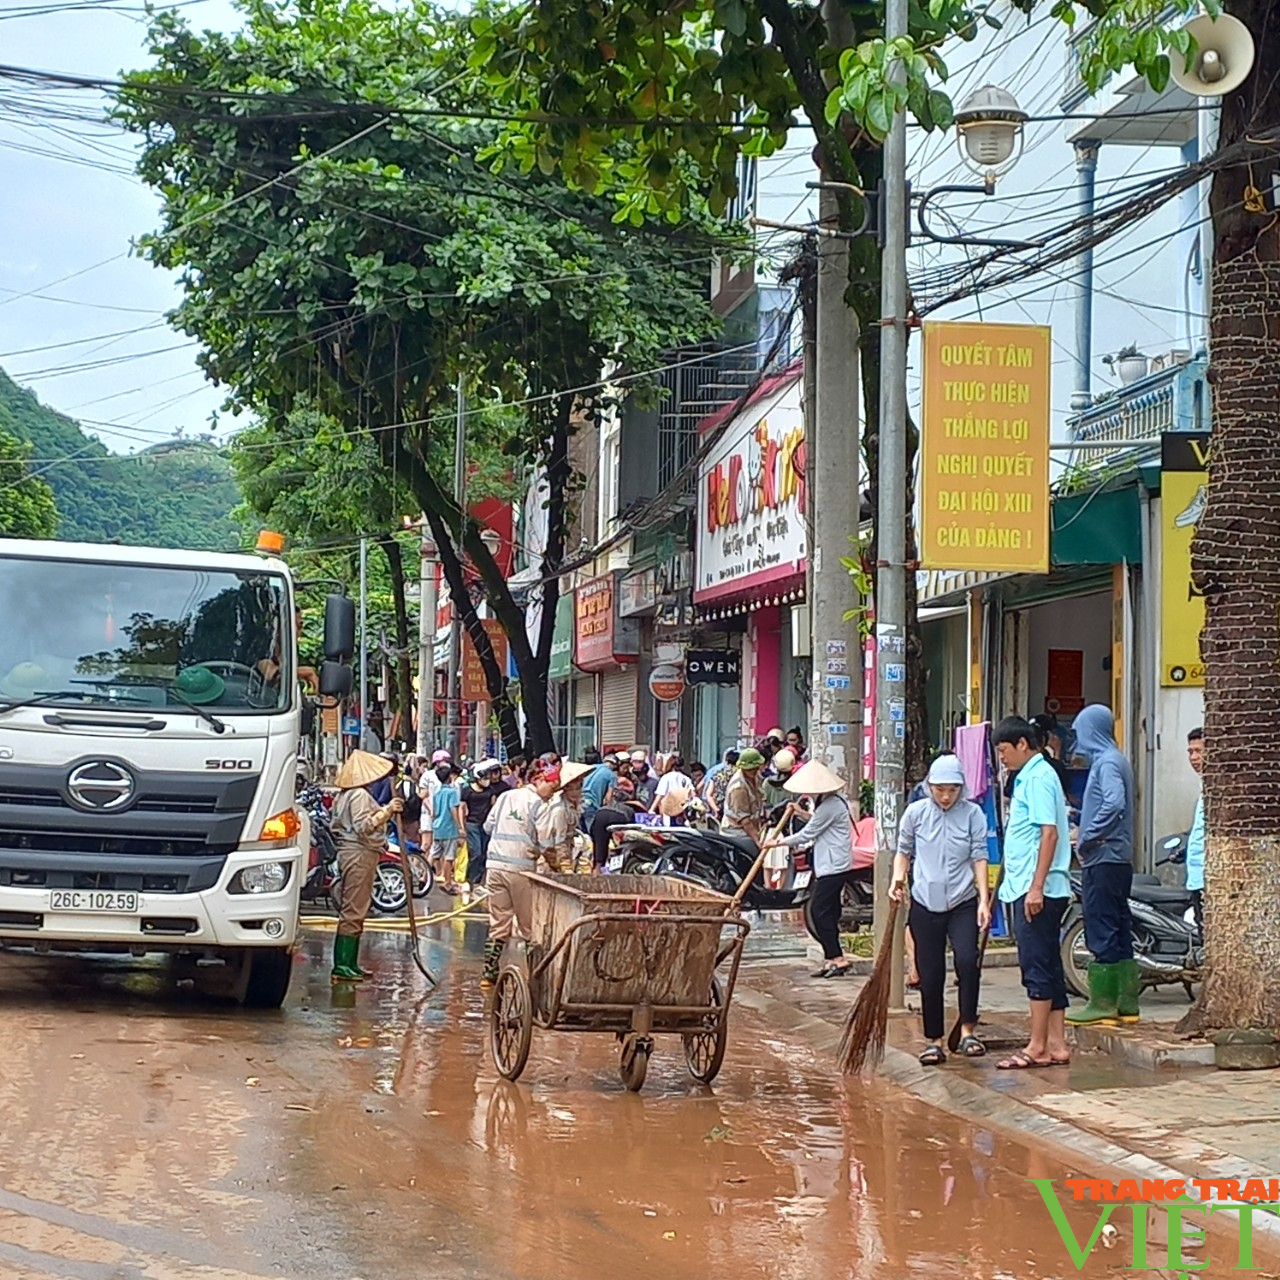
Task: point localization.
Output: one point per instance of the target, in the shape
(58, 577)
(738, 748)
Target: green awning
(561, 665)
(1097, 527)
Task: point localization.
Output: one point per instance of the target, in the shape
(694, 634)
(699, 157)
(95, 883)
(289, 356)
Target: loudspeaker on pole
(1222, 60)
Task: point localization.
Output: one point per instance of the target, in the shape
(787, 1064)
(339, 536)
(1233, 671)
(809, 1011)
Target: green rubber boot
(1101, 1008)
(345, 951)
(492, 961)
(1128, 990)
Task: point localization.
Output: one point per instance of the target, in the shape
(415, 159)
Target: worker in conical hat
(360, 830)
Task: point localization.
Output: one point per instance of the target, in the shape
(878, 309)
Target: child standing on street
(447, 825)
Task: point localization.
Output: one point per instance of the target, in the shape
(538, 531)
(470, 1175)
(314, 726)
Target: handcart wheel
(704, 1050)
(511, 1026)
(635, 1062)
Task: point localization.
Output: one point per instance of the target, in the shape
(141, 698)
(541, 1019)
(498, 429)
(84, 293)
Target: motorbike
(721, 860)
(1166, 943)
(322, 864)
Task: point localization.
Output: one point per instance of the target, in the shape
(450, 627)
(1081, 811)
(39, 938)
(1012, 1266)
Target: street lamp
(989, 132)
(989, 135)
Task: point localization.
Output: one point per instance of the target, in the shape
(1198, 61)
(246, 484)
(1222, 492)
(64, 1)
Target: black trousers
(1108, 926)
(825, 910)
(477, 852)
(931, 930)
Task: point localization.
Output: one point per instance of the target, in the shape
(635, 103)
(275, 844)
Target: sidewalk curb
(1133, 1053)
(950, 1091)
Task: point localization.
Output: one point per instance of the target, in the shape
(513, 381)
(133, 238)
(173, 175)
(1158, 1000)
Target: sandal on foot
(833, 971)
(971, 1047)
(1023, 1061)
(932, 1056)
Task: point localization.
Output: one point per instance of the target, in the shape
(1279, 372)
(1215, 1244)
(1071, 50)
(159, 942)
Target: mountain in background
(177, 494)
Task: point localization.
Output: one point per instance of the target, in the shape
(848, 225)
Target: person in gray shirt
(942, 841)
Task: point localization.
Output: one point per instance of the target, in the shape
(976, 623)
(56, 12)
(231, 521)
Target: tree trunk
(456, 534)
(1236, 560)
(403, 669)
(494, 677)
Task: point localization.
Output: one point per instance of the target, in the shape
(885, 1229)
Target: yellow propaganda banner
(984, 449)
(1184, 477)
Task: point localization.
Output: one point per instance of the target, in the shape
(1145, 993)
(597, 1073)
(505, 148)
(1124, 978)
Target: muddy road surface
(147, 1132)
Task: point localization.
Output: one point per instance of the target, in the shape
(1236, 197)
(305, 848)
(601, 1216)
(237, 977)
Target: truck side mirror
(335, 680)
(339, 628)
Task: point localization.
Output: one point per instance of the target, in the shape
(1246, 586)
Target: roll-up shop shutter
(618, 707)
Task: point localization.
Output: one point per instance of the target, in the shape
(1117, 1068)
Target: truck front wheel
(270, 969)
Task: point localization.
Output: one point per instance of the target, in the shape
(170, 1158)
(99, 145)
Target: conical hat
(572, 771)
(362, 768)
(813, 779)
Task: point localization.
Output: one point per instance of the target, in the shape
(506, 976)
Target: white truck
(149, 724)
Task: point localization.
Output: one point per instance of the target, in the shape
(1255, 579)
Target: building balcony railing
(1174, 397)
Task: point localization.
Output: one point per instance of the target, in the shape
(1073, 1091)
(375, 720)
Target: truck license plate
(99, 900)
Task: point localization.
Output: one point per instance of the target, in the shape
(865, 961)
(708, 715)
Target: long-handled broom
(862, 1043)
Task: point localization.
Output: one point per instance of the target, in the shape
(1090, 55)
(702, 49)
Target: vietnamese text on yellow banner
(984, 450)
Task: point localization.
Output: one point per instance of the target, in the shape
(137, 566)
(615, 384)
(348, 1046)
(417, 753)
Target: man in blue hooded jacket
(1105, 850)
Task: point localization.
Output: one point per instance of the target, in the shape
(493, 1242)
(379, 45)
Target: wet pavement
(147, 1132)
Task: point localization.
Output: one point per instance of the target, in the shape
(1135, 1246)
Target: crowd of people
(484, 824)
(480, 823)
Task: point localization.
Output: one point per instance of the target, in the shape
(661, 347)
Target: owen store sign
(751, 499)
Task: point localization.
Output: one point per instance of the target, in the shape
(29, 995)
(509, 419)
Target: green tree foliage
(360, 263)
(177, 494)
(27, 508)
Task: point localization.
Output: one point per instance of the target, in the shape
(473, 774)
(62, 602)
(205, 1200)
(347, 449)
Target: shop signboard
(1184, 463)
(561, 665)
(984, 448)
(751, 499)
(601, 639)
(639, 592)
(713, 666)
(475, 688)
(667, 683)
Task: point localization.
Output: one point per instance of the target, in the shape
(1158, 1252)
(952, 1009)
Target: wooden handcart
(631, 955)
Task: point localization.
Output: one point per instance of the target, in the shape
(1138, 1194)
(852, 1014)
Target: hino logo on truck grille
(101, 786)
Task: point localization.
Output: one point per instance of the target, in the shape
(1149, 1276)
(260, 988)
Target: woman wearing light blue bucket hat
(942, 842)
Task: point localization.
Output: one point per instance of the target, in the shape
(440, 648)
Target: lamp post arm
(962, 188)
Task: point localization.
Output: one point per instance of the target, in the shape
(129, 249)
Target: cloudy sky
(82, 319)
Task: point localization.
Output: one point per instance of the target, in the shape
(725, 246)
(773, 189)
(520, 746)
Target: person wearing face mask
(942, 842)
(516, 838)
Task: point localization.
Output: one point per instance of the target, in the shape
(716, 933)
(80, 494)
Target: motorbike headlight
(266, 877)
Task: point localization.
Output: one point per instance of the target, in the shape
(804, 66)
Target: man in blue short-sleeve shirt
(1036, 889)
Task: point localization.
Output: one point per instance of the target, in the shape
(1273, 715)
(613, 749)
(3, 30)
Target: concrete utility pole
(891, 517)
(454, 705)
(426, 644)
(835, 724)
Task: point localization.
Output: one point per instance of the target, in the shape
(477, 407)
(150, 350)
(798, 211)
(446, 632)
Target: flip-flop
(932, 1056)
(1023, 1061)
(971, 1047)
(834, 971)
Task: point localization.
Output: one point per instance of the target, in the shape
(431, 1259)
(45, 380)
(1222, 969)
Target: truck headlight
(266, 877)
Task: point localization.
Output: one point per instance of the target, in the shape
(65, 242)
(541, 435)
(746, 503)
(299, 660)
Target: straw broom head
(862, 1044)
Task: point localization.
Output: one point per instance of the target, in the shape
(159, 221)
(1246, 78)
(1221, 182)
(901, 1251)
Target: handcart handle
(749, 879)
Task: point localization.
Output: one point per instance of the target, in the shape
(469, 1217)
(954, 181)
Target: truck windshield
(73, 632)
